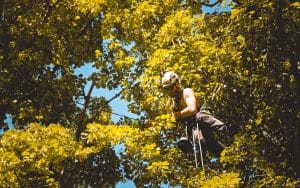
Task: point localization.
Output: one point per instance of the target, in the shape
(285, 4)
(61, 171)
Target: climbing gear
(210, 120)
(205, 107)
(169, 79)
(197, 134)
(188, 145)
(185, 145)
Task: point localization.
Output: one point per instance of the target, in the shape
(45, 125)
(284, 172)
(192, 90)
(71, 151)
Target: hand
(176, 114)
(148, 122)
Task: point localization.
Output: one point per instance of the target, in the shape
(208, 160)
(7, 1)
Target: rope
(200, 147)
(215, 91)
(195, 151)
(205, 107)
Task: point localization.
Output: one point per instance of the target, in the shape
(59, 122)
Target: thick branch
(81, 123)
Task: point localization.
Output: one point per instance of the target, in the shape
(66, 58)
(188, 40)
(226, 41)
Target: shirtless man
(182, 98)
(186, 112)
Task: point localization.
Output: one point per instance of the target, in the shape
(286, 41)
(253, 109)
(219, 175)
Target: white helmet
(169, 78)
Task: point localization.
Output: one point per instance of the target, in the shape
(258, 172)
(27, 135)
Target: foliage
(149, 161)
(249, 53)
(267, 88)
(35, 157)
(41, 43)
(49, 156)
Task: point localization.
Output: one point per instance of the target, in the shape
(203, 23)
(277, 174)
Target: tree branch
(237, 2)
(211, 4)
(107, 102)
(81, 123)
(114, 97)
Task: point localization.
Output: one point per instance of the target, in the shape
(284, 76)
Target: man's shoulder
(187, 91)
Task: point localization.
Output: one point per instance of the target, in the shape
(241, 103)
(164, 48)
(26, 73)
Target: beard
(176, 94)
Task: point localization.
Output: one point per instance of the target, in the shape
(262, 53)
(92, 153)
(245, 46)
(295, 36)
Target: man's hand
(148, 122)
(176, 114)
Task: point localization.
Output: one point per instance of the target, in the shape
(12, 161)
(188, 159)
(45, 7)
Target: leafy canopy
(248, 53)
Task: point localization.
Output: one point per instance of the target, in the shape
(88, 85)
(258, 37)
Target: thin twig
(212, 4)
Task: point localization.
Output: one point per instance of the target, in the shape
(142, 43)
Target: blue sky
(118, 105)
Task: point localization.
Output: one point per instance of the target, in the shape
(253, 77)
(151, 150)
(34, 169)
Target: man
(186, 112)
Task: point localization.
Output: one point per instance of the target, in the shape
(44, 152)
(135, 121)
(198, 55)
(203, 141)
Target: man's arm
(191, 104)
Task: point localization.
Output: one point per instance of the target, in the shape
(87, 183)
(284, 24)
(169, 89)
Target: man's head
(170, 82)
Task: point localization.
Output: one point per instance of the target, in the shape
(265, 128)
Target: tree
(42, 42)
(35, 157)
(48, 156)
(268, 86)
(247, 54)
(259, 96)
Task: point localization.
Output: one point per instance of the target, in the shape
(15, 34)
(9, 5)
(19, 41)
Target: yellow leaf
(241, 40)
(234, 13)
(296, 5)
(259, 118)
